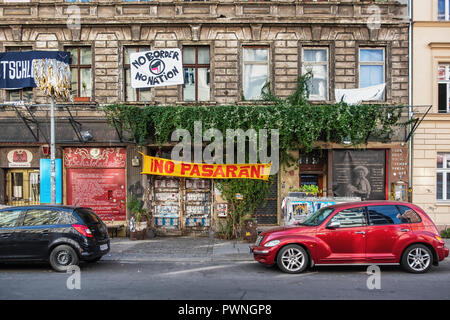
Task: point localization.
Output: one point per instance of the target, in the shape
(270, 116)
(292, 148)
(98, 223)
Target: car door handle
(404, 230)
(360, 232)
(6, 235)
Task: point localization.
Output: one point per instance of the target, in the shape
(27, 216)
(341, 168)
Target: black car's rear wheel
(62, 257)
(292, 259)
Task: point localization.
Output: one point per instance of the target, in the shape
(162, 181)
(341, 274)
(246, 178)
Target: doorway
(22, 187)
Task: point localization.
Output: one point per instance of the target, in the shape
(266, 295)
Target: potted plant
(140, 220)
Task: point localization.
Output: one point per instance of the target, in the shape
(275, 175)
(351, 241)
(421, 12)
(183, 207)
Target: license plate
(104, 247)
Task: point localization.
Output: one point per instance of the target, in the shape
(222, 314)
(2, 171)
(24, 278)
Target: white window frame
(245, 62)
(446, 81)
(306, 64)
(444, 170)
(447, 11)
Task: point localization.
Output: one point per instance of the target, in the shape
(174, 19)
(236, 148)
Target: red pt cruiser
(368, 232)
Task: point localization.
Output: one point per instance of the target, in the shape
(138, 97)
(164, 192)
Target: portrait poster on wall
(359, 173)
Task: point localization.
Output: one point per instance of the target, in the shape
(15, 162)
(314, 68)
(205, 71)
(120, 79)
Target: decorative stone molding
(195, 32)
(17, 32)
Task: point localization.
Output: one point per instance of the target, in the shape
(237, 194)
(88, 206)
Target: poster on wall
(45, 179)
(359, 173)
(95, 178)
(156, 68)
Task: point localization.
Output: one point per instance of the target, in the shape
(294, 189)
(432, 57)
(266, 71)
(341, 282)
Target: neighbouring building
(230, 49)
(431, 87)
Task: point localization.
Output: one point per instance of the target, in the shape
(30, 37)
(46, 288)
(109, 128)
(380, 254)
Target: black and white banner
(156, 68)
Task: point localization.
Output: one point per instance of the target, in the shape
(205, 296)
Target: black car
(61, 235)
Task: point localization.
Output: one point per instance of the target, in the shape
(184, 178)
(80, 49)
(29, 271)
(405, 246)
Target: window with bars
(196, 70)
(444, 10)
(133, 94)
(316, 61)
(444, 88)
(255, 71)
(81, 69)
(443, 176)
(25, 94)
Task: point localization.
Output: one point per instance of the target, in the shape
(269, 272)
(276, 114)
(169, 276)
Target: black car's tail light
(84, 230)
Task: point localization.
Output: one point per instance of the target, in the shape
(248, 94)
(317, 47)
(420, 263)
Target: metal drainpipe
(410, 89)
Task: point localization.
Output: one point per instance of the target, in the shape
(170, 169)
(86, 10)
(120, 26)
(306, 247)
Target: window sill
(442, 203)
(196, 103)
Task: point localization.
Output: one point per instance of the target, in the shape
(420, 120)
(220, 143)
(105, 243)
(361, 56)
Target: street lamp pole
(52, 151)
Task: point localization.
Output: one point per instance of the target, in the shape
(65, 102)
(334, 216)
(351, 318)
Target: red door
(346, 242)
(387, 232)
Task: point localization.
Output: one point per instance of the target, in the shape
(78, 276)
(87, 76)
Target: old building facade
(431, 87)
(230, 49)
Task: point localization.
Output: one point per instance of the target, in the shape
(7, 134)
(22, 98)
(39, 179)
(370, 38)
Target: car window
(408, 215)
(9, 218)
(39, 217)
(88, 215)
(353, 217)
(383, 215)
(318, 217)
(66, 217)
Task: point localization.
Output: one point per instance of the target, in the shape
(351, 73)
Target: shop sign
(156, 68)
(95, 158)
(166, 167)
(19, 158)
(399, 164)
(17, 68)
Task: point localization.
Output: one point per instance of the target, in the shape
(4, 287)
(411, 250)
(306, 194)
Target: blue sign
(16, 68)
(46, 194)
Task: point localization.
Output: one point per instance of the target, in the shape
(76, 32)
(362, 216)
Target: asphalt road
(209, 280)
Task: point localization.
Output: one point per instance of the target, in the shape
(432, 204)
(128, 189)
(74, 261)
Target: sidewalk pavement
(178, 249)
(199, 249)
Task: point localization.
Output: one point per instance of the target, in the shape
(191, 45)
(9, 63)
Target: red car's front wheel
(292, 259)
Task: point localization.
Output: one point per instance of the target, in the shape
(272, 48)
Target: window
(255, 71)
(408, 215)
(81, 68)
(349, 218)
(443, 9)
(25, 94)
(444, 88)
(318, 217)
(38, 217)
(371, 67)
(88, 216)
(316, 61)
(196, 70)
(443, 176)
(382, 215)
(132, 94)
(8, 219)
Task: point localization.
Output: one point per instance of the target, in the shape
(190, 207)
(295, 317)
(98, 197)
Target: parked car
(368, 232)
(61, 235)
